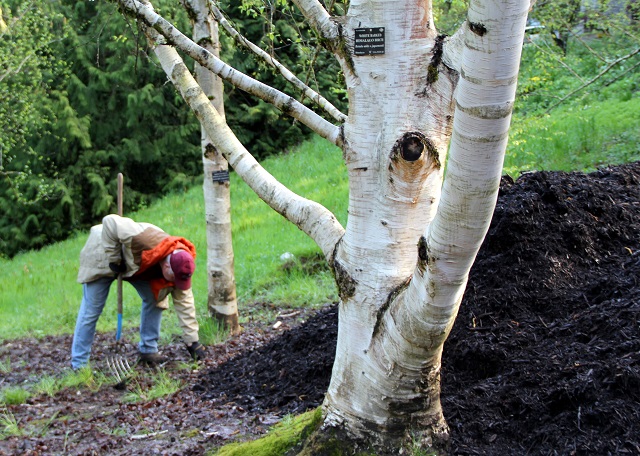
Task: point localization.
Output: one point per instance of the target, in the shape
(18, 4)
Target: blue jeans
(94, 297)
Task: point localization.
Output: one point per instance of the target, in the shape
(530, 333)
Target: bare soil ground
(544, 358)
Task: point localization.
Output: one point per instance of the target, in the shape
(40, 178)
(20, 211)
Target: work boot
(152, 359)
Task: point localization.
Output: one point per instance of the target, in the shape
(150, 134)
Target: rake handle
(120, 211)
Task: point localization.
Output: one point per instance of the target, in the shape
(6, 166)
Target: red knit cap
(183, 266)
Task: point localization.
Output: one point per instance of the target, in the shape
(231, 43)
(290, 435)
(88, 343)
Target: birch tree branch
(311, 217)
(318, 99)
(318, 18)
(283, 102)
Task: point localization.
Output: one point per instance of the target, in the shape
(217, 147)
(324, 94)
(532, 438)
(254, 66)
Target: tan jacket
(141, 246)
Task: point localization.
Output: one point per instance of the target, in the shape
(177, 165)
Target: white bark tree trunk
(385, 382)
(402, 264)
(384, 389)
(221, 300)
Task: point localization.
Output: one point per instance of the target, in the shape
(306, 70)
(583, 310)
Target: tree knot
(477, 28)
(411, 146)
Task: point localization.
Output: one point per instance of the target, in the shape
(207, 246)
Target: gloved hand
(118, 267)
(196, 350)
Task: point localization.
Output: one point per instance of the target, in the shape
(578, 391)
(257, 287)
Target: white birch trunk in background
(402, 263)
(221, 299)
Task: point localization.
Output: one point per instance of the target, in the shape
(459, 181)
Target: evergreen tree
(34, 201)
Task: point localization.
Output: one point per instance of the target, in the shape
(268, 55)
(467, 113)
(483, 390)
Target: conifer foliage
(82, 101)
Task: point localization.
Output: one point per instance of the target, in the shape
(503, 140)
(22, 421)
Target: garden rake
(120, 369)
(118, 365)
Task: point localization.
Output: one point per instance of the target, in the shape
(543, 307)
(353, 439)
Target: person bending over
(156, 264)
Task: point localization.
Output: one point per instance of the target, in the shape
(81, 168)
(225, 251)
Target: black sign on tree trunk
(369, 41)
(220, 176)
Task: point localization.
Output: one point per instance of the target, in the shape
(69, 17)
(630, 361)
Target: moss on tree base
(333, 441)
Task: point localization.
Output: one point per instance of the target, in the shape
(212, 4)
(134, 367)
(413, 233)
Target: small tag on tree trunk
(369, 41)
(220, 176)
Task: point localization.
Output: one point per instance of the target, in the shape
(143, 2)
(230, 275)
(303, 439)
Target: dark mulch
(545, 355)
(543, 359)
(290, 374)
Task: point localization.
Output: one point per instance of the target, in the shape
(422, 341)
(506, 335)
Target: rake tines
(120, 369)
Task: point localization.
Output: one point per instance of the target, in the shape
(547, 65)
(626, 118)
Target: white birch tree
(221, 298)
(401, 263)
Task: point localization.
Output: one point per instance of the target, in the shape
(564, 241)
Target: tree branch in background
(625, 32)
(314, 219)
(554, 57)
(283, 102)
(594, 79)
(628, 70)
(584, 43)
(322, 102)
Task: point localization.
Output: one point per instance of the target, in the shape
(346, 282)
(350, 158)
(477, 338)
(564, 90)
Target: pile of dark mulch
(545, 355)
(290, 374)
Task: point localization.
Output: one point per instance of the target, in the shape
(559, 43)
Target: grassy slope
(598, 125)
(581, 136)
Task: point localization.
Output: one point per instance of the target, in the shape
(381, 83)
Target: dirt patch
(543, 359)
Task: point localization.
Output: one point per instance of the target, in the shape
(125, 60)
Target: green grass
(8, 424)
(14, 395)
(5, 365)
(598, 125)
(10, 427)
(47, 385)
(161, 385)
(50, 385)
(576, 138)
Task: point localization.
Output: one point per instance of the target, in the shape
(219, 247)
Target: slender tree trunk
(222, 302)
